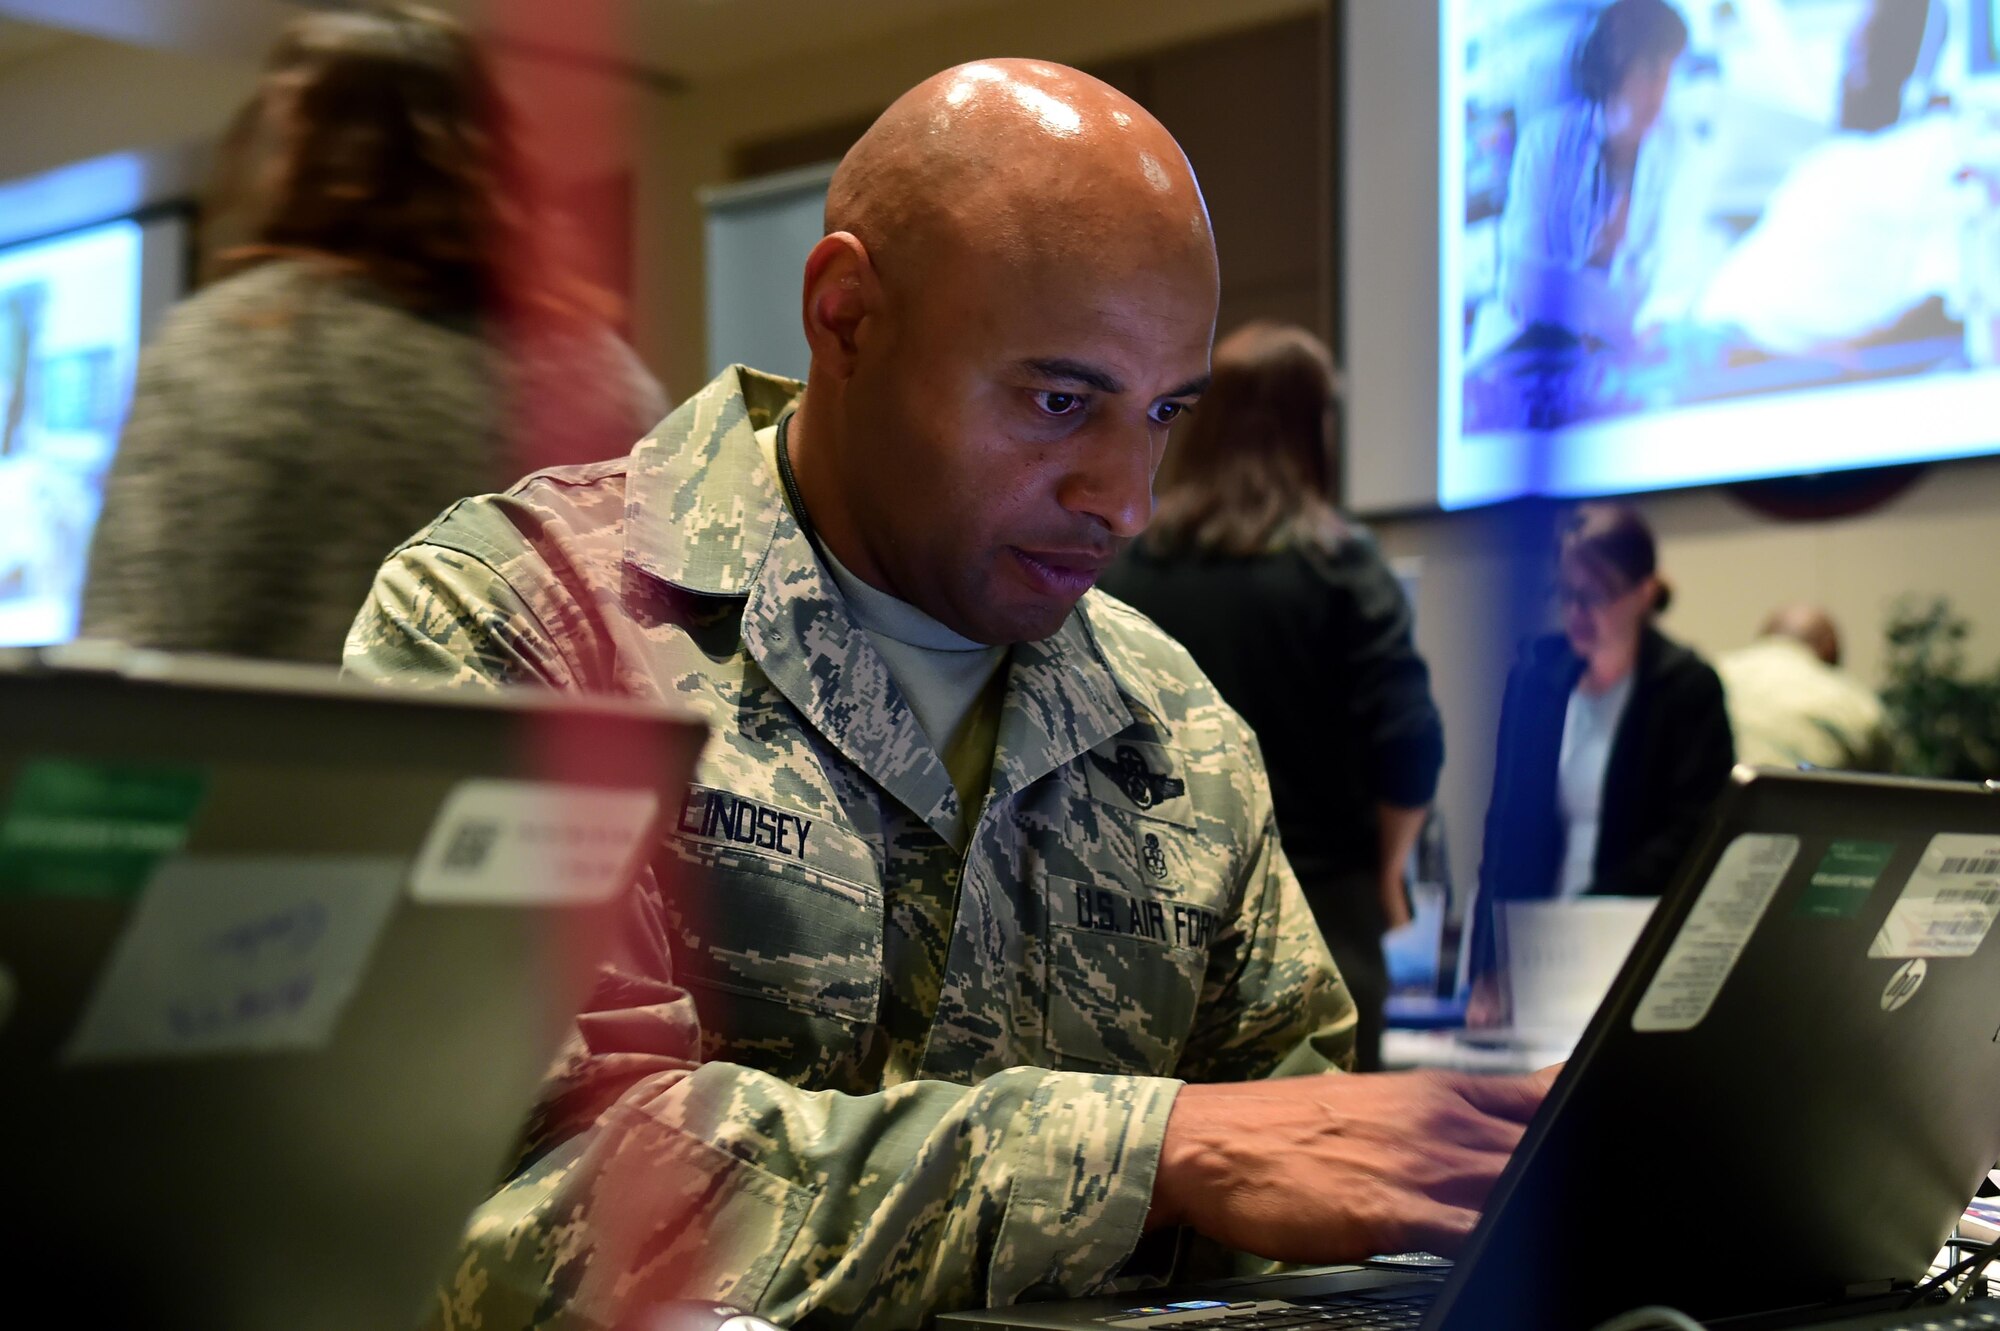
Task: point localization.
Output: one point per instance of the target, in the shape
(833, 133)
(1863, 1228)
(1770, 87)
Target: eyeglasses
(1583, 597)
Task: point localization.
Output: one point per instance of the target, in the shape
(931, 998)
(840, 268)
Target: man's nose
(1113, 481)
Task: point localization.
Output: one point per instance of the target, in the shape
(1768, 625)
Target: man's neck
(811, 446)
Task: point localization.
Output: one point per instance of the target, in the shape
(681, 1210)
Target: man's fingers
(1438, 1227)
(1472, 1183)
(1513, 1098)
(1485, 1132)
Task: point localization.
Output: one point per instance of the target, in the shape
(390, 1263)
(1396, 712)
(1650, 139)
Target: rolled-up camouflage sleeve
(710, 1180)
(1273, 1003)
(651, 1174)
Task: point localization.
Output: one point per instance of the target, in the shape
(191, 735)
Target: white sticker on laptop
(238, 955)
(519, 843)
(1713, 935)
(1950, 903)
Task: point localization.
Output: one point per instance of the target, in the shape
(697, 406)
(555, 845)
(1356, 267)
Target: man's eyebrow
(1074, 372)
(1080, 372)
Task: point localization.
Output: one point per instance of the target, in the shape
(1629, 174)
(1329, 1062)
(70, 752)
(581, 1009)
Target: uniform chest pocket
(1123, 973)
(784, 962)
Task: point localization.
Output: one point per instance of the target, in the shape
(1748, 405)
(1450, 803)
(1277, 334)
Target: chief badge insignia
(1143, 786)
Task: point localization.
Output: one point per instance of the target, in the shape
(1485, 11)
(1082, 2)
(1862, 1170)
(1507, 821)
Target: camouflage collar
(1062, 697)
(1063, 700)
(700, 505)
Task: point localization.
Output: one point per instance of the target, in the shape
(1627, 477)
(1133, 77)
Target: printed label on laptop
(238, 955)
(1714, 933)
(517, 843)
(1846, 875)
(93, 829)
(1949, 905)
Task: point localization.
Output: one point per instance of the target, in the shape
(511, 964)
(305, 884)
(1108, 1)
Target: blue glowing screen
(69, 339)
(1748, 239)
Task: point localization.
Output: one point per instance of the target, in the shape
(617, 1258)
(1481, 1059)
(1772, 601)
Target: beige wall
(1937, 537)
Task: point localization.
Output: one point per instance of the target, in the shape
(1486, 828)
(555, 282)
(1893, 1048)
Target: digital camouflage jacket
(863, 1065)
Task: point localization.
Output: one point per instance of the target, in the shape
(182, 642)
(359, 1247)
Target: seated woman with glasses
(1613, 741)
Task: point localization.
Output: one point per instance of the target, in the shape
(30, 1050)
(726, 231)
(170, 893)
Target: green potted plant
(1943, 721)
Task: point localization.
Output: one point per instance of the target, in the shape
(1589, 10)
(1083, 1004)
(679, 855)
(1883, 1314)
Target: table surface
(1471, 1051)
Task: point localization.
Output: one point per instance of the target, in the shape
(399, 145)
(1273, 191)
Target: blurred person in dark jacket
(390, 334)
(1291, 612)
(1614, 740)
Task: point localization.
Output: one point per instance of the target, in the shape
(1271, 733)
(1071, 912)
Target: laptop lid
(282, 962)
(1793, 1085)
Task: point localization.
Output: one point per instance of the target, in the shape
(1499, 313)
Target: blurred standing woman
(1613, 738)
(1291, 612)
(387, 339)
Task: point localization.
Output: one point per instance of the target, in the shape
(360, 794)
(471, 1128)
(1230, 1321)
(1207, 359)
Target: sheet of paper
(238, 955)
(532, 842)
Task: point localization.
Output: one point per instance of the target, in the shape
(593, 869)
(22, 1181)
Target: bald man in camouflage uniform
(908, 1019)
(999, 1071)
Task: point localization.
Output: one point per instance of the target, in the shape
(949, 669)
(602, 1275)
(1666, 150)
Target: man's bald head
(1015, 296)
(1808, 624)
(1021, 161)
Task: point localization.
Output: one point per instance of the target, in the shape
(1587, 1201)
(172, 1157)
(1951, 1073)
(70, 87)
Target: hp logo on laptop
(1909, 977)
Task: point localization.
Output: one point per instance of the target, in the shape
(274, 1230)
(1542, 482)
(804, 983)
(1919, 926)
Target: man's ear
(842, 293)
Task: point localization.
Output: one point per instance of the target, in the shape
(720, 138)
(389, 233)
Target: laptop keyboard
(1403, 1309)
(1385, 1310)
(1390, 1309)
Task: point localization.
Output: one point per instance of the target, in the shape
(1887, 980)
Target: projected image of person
(1581, 237)
(1863, 260)
(1884, 52)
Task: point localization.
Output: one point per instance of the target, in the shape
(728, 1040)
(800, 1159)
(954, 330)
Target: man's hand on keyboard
(1335, 1168)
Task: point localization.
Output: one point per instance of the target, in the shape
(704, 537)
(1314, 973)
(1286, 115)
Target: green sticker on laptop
(87, 829)
(1847, 873)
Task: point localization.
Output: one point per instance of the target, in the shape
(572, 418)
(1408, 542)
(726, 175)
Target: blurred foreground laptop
(1773, 1119)
(282, 962)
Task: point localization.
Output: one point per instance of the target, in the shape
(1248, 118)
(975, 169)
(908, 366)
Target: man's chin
(1000, 624)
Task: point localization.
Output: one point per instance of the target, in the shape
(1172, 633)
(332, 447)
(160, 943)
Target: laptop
(282, 963)
(1775, 1117)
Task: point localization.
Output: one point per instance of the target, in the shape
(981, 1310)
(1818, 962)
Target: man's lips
(1067, 573)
